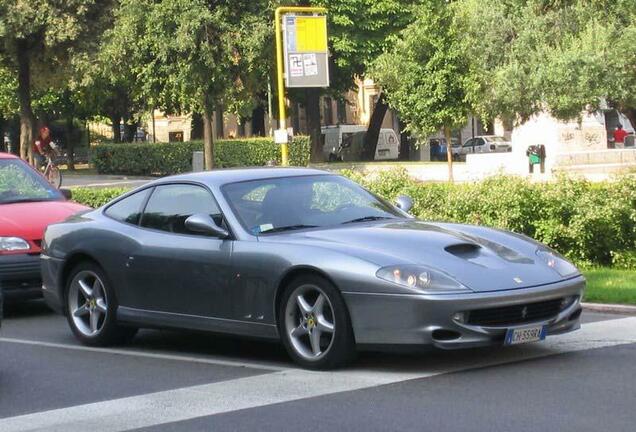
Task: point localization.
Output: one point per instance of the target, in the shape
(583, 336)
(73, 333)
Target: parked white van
(344, 142)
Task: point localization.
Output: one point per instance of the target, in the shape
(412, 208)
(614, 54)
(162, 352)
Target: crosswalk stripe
(293, 384)
(147, 354)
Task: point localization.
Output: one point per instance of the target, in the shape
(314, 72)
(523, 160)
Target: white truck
(344, 142)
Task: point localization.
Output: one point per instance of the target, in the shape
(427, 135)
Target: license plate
(525, 335)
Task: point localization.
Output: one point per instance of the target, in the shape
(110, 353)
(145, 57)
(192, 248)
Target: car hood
(28, 220)
(482, 259)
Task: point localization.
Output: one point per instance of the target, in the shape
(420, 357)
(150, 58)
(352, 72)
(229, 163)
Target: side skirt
(146, 318)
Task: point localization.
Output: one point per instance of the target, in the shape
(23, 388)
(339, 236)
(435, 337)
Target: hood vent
(464, 250)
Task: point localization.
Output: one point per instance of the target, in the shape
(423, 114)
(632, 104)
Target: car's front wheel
(91, 307)
(314, 324)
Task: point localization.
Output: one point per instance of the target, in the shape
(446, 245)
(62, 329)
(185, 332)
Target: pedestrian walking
(619, 136)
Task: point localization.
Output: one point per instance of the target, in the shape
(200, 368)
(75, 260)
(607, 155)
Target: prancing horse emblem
(524, 312)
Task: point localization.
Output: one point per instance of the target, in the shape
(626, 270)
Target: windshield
(19, 183)
(288, 203)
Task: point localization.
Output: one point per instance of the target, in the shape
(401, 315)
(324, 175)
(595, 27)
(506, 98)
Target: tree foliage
(38, 42)
(528, 56)
(424, 74)
(193, 55)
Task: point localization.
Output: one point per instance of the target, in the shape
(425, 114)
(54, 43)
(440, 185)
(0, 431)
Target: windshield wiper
(367, 219)
(288, 228)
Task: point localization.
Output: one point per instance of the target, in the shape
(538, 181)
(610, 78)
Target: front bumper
(20, 277)
(388, 319)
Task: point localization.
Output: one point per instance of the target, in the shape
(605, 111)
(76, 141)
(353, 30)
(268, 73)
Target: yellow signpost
(307, 38)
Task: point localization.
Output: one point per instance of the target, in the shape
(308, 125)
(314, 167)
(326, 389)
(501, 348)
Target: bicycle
(51, 171)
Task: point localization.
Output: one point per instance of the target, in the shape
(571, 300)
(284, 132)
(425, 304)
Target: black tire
(109, 333)
(341, 349)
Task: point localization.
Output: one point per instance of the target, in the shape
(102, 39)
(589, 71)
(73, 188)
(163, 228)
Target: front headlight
(421, 279)
(13, 244)
(557, 263)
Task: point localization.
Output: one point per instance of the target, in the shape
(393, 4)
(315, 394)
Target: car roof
(233, 175)
(7, 156)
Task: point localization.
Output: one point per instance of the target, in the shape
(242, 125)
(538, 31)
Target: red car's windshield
(20, 183)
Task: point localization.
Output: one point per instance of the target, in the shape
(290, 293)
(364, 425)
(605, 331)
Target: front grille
(517, 314)
(20, 269)
(16, 285)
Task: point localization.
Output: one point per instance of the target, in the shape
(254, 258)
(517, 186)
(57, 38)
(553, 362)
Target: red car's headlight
(13, 244)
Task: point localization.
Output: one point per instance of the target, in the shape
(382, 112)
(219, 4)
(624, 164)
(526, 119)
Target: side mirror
(204, 224)
(66, 193)
(404, 203)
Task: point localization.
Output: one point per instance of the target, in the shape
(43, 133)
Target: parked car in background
(302, 256)
(438, 149)
(486, 144)
(28, 203)
(345, 142)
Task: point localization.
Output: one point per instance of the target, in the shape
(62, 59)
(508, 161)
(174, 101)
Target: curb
(610, 308)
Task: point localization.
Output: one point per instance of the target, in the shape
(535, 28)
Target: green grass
(605, 285)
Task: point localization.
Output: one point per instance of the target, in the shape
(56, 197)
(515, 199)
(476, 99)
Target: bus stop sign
(306, 53)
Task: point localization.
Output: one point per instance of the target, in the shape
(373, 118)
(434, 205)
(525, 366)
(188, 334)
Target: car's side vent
(463, 250)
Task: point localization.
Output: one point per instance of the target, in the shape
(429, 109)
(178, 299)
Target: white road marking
(137, 353)
(289, 385)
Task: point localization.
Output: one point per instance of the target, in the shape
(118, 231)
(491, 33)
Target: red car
(28, 203)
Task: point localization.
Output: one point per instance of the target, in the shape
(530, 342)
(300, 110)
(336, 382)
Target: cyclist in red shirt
(619, 136)
(42, 146)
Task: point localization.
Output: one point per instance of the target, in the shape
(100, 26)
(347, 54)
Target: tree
(8, 100)
(359, 31)
(193, 55)
(424, 74)
(529, 56)
(38, 40)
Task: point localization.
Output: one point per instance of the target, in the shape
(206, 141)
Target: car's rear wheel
(91, 307)
(314, 324)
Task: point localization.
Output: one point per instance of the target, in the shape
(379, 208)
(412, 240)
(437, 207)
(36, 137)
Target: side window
(469, 143)
(170, 205)
(129, 209)
(480, 142)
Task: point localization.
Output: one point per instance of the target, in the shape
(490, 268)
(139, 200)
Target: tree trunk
(70, 144)
(2, 146)
(24, 96)
(405, 147)
(373, 132)
(115, 119)
(258, 121)
(208, 139)
(449, 153)
(312, 96)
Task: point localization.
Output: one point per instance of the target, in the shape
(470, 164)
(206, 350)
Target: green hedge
(94, 197)
(176, 157)
(591, 223)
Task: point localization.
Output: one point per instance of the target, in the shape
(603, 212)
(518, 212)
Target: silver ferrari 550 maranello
(304, 256)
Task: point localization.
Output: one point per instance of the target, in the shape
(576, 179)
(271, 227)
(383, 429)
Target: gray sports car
(304, 256)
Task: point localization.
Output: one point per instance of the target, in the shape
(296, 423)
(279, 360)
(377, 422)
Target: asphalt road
(182, 381)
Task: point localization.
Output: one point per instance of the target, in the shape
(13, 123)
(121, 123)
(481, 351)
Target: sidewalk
(99, 180)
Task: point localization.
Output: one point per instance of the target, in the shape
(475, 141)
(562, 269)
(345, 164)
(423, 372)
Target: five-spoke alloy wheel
(314, 324)
(87, 303)
(91, 307)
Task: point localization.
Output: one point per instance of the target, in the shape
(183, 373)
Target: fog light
(567, 302)
(459, 317)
